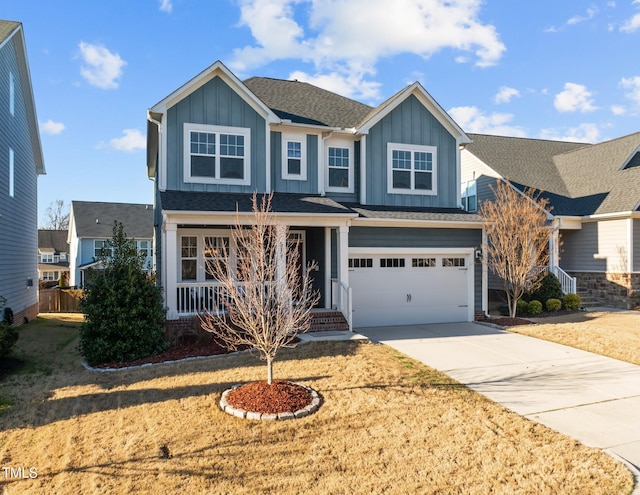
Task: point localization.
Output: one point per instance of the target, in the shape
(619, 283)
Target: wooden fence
(59, 301)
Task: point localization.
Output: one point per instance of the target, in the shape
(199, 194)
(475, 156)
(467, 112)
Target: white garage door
(405, 289)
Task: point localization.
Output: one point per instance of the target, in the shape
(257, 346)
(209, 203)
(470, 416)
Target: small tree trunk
(269, 370)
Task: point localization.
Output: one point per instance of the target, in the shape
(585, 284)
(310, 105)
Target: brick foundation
(175, 330)
(30, 313)
(618, 290)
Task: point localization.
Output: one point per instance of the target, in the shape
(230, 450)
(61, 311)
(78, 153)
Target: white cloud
(102, 68)
(350, 36)
(472, 119)
(349, 85)
(51, 127)
(166, 6)
(131, 141)
(618, 110)
(631, 25)
(505, 93)
(574, 98)
(633, 85)
(591, 12)
(584, 133)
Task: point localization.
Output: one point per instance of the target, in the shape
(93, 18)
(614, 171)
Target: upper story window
(12, 94)
(294, 157)
(340, 166)
(411, 169)
(216, 155)
(12, 173)
(469, 196)
(101, 248)
(46, 258)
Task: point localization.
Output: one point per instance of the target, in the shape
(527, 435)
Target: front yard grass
(614, 334)
(387, 424)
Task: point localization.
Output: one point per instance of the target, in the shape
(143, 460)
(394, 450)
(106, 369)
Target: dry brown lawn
(616, 334)
(387, 425)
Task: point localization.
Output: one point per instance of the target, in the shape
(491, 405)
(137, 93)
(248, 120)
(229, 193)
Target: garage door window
(423, 262)
(453, 262)
(360, 262)
(391, 262)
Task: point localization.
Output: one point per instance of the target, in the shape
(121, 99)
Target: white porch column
(343, 262)
(170, 263)
(554, 248)
(281, 258)
(327, 267)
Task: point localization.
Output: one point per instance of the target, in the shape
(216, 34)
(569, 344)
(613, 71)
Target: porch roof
(414, 213)
(241, 202)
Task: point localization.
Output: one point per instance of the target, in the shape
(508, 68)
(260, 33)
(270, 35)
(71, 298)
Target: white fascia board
(611, 216)
(218, 69)
(247, 218)
(569, 222)
(384, 250)
(392, 222)
(314, 128)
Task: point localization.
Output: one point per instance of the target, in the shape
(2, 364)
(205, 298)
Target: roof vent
(97, 220)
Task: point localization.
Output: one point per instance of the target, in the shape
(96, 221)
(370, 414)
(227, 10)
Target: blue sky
(545, 69)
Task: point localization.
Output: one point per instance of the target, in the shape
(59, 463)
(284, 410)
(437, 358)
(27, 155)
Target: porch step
(587, 301)
(328, 320)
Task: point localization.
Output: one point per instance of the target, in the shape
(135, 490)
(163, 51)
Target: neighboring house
(594, 194)
(53, 255)
(91, 230)
(373, 194)
(21, 161)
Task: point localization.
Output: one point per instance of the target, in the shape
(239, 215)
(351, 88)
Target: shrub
(522, 307)
(8, 334)
(571, 302)
(124, 313)
(549, 288)
(553, 305)
(535, 307)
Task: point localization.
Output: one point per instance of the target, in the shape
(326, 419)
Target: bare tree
(266, 300)
(57, 215)
(517, 239)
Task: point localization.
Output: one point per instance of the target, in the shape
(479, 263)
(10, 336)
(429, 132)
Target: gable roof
(53, 239)
(96, 219)
(304, 103)
(13, 30)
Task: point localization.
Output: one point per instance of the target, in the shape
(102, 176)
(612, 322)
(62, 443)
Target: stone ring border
(300, 413)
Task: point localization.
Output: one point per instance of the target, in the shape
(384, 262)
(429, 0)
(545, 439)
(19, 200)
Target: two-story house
(53, 255)
(21, 161)
(373, 194)
(91, 230)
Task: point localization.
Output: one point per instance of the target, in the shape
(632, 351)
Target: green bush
(535, 307)
(522, 307)
(8, 334)
(549, 288)
(124, 313)
(553, 305)
(571, 302)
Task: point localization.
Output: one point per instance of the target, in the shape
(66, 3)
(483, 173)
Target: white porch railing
(198, 297)
(567, 282)
(341, 299)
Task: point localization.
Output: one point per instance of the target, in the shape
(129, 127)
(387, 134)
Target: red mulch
(508, 322)
(279, 397)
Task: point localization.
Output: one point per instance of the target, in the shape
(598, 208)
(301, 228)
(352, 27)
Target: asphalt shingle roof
(6, 28)
(96, 219)
(578, 178)
(413, 213)
(304, 103)
(53, 239)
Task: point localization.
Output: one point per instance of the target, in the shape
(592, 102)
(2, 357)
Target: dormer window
(411, 169)
(216, 154)
(340, 166)
(294, 157)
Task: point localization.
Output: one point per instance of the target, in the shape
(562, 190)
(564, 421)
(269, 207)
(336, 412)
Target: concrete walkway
(591, 398)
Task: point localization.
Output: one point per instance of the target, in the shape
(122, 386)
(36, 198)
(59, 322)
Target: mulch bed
(280, 396)
(508, 322)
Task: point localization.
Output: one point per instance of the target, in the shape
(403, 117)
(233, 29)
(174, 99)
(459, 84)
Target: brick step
(322, 321)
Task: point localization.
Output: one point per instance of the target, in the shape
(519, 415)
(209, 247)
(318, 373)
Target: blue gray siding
(309, 186)
(215, 103)
(18, 214)
(411, 123)
(421, 238)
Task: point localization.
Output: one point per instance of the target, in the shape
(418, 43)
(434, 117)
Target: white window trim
(217, 129)
(412, 147)
(298, 138)
(12, 94)
(339, 143)
(12, 173)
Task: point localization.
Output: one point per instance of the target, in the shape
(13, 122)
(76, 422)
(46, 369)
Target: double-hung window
(188, 257)
(102, 248)
(411, 169)
(216, 250)
(216, 154)
(340, 166)
(47, 258)
(294, 156)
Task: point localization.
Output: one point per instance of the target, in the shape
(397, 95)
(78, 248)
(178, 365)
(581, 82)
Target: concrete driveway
(591, 398)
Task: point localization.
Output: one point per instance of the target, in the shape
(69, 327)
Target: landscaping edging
(241, 413)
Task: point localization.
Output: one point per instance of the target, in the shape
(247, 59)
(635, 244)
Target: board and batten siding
(598, 247)
(411, 123)
(279, 184)
(18, 214)
(215, 103)
(377, 237)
